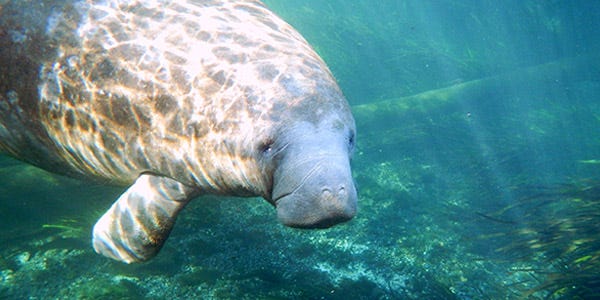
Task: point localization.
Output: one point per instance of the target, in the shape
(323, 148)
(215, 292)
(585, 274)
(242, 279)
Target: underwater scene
(477, 164)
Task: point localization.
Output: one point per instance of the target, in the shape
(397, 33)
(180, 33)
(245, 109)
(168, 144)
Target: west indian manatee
(174, 99)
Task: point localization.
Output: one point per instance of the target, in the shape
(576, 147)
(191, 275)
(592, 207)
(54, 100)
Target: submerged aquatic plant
(68, 228)
(558, 230)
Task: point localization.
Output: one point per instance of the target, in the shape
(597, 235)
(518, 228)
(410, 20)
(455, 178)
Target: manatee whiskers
(304, 179)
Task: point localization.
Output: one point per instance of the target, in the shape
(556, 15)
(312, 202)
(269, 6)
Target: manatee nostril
(342, 190)
(327, 193)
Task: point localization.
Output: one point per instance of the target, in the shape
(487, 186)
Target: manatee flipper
(138, 223)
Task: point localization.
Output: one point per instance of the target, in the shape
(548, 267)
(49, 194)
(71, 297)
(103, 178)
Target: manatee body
(174, 99)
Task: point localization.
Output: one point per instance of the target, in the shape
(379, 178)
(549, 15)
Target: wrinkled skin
(313, 186)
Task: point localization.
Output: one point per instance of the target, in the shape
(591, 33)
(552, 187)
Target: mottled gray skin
(175, 99)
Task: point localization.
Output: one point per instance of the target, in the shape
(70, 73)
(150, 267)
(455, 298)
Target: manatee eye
(266, 147)
(351, 140)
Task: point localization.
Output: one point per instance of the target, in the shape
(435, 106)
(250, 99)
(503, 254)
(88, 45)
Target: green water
(477, 163)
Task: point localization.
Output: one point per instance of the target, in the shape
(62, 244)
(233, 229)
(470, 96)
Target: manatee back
(189, 90)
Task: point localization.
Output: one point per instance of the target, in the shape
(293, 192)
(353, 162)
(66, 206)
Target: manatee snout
(322, 193)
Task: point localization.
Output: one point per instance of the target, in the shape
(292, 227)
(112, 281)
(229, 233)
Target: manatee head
(309, 155)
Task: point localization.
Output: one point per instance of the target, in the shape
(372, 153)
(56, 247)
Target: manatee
(175, 99)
